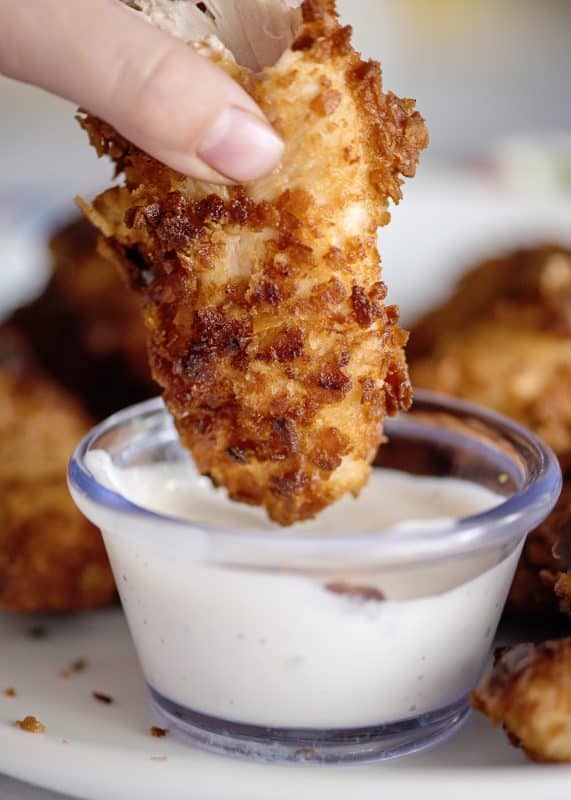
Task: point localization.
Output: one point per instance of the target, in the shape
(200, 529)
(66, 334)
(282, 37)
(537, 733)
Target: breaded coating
(504, 340)
(529, 693)
(86, 330)
(269, 332)
(51, 558)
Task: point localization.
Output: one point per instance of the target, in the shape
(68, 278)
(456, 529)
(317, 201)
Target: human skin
(157, 92)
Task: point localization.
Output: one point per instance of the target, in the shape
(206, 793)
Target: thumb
(155, 90)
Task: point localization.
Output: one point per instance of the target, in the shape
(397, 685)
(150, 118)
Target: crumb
(159, 758)
(102, 698)
(37, 632)
(159, 733)
(358, 592)
(76, 666)
(305, 753)
(64, 741)
(503, 478)
(10, 692)
(31, 725)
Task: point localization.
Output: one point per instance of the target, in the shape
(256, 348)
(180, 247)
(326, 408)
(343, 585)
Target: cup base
(307, 745)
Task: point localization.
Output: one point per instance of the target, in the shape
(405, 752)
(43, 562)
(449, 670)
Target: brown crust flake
(79, 665)
(158, 733)
(356, 592)
(31, 725)
(102, 698)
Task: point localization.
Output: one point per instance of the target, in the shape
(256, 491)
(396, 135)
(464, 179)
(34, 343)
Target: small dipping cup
(247, 642)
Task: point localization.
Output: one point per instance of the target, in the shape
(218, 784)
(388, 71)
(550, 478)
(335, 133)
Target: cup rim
(514, 517)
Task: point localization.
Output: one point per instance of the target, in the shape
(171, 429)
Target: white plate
(105, 752)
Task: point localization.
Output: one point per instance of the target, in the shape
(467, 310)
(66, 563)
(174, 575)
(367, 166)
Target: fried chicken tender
(86, 331)
(504, 340)
(51, 558)
(269, 332)
(529, 693)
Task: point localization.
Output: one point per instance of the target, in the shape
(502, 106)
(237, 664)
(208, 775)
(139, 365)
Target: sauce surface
(390, 498)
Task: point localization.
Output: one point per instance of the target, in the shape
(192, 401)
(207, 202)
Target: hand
(155, 90)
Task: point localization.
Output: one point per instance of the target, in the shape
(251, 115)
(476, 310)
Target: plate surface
(105, 751)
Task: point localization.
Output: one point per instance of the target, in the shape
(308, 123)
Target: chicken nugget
(529, 693)
(51, 557)
(504, 340)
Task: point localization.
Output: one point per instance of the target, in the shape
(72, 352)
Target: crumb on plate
(78, 665)
(356, 592)
(31, 725)
(102, 698)
(159, 733)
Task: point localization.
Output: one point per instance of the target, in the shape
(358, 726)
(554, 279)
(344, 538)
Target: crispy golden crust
(504, 340)
(270, 335)
(529, 693)
(51, 558)
(85, 330)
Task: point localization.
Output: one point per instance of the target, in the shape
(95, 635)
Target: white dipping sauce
(278, 648)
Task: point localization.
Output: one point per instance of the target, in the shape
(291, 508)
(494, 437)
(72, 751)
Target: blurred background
(491, 78)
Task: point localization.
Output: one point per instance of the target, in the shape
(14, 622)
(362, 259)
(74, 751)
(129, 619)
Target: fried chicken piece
(269, 331)
(51, 558)
(529, 693)
(504, 340)
(86, 331)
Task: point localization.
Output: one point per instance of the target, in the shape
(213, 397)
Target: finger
(155, 90)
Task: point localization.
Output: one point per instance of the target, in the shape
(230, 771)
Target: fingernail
(240, 146)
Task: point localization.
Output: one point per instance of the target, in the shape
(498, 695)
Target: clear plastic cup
(248, 644)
